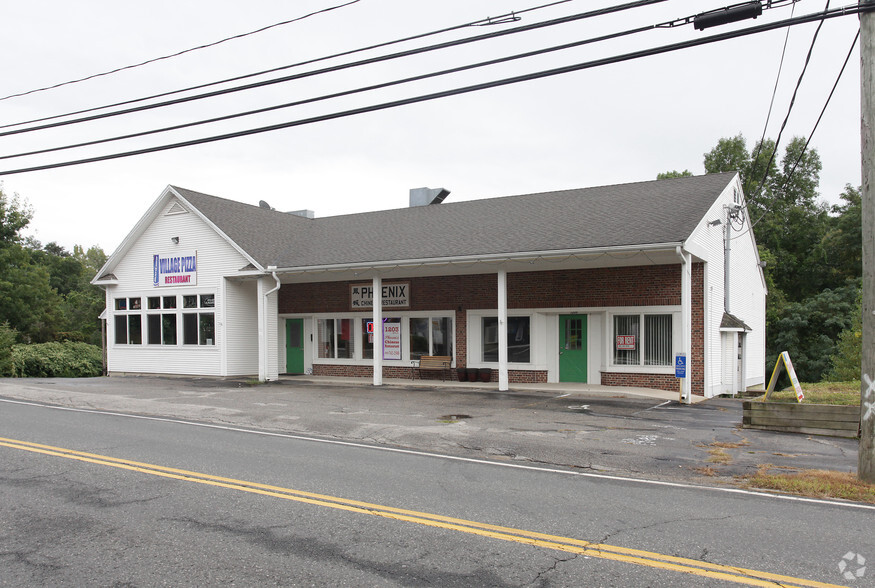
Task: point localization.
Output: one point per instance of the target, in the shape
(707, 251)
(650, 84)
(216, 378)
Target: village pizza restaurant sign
(176, 269)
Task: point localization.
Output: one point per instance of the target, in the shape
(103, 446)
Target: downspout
(278, 283)
(686, 320)
(263, 339)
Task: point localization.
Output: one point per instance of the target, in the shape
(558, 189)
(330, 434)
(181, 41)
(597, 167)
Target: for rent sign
(395, 295)
(176, 269)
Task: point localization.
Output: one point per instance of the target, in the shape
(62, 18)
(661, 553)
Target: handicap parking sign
(680, 365)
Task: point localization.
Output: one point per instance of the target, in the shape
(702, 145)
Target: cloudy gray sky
(614, 124)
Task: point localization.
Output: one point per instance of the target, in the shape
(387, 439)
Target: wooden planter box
(811, 419)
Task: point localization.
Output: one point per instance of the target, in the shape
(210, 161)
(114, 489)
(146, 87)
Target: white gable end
(139, 341)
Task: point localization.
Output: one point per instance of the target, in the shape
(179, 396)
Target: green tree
(674, 174)
(842, 246)
(27, 301)
(7, 340)
(808, 330)
(812, 251)
(848, 355)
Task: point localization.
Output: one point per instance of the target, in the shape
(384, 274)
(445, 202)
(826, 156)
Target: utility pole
(866, 465)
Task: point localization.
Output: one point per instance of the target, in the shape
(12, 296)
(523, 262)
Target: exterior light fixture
(175, 240)
(715, 222)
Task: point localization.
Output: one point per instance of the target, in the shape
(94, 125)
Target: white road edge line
(450, 457)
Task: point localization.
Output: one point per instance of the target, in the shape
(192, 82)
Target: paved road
(606, 433)
(97, 499)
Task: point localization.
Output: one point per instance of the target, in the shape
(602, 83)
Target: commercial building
(605, 285)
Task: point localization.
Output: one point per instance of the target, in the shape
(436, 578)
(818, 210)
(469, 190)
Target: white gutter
(489, 258)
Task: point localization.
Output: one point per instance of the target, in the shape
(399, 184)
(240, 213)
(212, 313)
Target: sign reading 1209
(175, 269)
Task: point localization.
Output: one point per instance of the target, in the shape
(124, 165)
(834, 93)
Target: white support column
(503, 383)
(378, 330)
(687, 320)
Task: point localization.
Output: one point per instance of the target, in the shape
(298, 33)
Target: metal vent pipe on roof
(426, 196)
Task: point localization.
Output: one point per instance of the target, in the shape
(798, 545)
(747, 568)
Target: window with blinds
(643, 339)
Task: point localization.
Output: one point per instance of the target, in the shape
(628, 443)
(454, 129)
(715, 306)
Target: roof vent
(426, 196)
(305, 213)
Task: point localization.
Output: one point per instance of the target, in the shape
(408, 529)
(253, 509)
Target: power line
(852, 9)
(482, 22)
(178, 53)
(762, 182)
(774, 92)
(369, 61)
(672, 23)
(811, 134)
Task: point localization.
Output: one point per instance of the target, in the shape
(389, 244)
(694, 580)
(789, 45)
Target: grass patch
(814, 484)
(727, 445)
(844, 393)
(719, 455)
(706, 471)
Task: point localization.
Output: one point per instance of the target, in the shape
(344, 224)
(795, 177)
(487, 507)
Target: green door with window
(295, 346)
(572, 348)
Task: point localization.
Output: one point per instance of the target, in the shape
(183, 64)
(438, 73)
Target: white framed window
(642, 339)
(519, 339)
(412, 335)
(336, 338)
(431, 335)
(161, 321)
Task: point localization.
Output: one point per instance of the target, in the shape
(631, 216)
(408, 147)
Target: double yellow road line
(566, 544)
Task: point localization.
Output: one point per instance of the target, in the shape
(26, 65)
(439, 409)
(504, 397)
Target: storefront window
(518, 339)
(657, 342)
(161, 328)
(325, 338)
(626, 339)
(345, 340)
(431, 336)
(418, 338)
(159, 317)
(442, 336)
(367, 339)
(655, 339)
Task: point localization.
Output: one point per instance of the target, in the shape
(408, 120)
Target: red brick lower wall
(408, 372)
(656, 381)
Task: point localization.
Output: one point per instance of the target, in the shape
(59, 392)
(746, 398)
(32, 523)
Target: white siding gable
(216, 258)
(747, 289)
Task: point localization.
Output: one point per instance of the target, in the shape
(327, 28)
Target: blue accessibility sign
(680, 365)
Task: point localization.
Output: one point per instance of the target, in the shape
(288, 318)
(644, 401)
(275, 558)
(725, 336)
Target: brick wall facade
(655, 285)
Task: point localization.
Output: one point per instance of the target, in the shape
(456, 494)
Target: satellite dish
(263, 204)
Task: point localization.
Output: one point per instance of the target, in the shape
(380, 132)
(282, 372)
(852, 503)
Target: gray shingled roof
(642, 213)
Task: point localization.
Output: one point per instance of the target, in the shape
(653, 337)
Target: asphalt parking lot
(600, 431)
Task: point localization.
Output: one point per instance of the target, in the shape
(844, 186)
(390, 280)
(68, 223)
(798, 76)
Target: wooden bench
(434, 363)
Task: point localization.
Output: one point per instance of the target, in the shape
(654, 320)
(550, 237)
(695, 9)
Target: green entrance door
(572, 348)
(295, 346)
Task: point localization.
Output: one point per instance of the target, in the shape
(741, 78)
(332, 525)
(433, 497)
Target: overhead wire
(343, 66)
(481, 22)
(615, 35)
(759, 145)
(178, 53)
(816, 124)
(762, 182)
(852, 9)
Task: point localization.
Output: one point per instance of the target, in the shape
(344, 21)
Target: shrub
(7, 340)
(57, 360)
